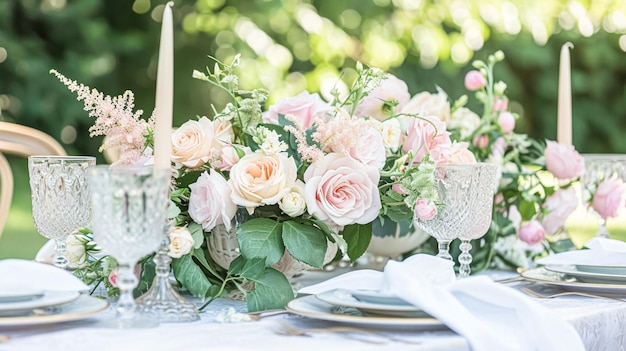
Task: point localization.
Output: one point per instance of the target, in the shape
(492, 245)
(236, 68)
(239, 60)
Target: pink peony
(563, 161)
(559, 206)
(305, 107)
(609, 197)
(424, 138)
(425, 209)
(475, 80)
(374, 105)
(209, 202)
(342, 190)
(506, 120)
(532, 232)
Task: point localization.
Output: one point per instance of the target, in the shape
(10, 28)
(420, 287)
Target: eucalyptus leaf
(271, 291)
(261, 237)
(191, 276)
(358, 237)
(305, 243)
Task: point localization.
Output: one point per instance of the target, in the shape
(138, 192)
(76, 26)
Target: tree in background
(291, 45)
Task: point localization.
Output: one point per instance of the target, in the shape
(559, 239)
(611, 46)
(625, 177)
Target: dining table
(226, 325)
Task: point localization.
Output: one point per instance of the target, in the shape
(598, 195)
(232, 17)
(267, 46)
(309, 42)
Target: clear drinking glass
(484, 185)
(598, 168)
(129, 209)
(60, 197)
(459, 187)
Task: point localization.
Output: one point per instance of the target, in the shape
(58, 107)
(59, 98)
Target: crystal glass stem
(60, 260)
(161, 301)
(465, 258)
(126, 282)
(444, 249)
(602, 232)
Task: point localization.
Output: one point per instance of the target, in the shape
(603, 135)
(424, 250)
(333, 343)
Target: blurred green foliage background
(291, 45)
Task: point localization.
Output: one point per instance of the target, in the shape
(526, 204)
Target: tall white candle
(164, 101)
(564, 112)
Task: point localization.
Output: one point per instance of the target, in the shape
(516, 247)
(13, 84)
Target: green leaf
(305, 243)
(358, 237)
(527, 209)
(197, 234)
(250, 269)
(261, 237)
(189, 274)
(271, 291)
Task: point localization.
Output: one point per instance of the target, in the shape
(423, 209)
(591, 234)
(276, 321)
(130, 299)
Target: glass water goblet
(599, 168)
(485, 180)
(454, 184)
(129, 209)
(60, 198)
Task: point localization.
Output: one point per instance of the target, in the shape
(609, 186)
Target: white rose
(293, 204)
(223, 133)
(465, 120)
(76, 253)
(181, 242)
(460, 154)
(209, 201)
(192, 143)
(427, 104)
(259, 179)
(392, 134)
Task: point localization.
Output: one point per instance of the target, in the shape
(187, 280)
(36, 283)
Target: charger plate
(48, 298)
(83, 307)
(371, 301)
(568, 282)
(310, 306)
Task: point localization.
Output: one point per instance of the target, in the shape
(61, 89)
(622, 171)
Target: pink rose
(609, 197)
(563, 161)
(370, 149)
(305, 107)
(481, 141)
(342, 191)
(210, 201)
(192, 143)
(113, 278)
(475, 80)
(427, 104)
(425, 209)
(399, 189)
(230, 156)
(460, 154)
(260, 179)
(506, 120)
(559, 206)
(501, 104)
(374, 105)
(424, 138)
(532, 232)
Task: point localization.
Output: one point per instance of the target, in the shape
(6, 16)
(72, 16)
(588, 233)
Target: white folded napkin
(491, 316)
(24, 275)
(601, 252)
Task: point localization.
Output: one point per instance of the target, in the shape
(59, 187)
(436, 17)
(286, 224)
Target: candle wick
(569, 44)
(171, 4)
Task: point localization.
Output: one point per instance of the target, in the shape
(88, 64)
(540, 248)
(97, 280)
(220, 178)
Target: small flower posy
(311, 174)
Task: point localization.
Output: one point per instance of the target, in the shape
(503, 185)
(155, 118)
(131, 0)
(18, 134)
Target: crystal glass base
(164, 304)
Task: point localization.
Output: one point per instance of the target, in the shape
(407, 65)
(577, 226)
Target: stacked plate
(41, 307)
(364, 307)
(590, 278)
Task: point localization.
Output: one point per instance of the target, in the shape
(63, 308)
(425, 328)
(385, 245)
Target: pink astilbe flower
(124, 129)
(308, 153)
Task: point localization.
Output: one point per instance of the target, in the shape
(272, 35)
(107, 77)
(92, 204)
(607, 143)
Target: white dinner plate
(372, 302)
(312, 307)
(615, 270)
(80, 308)
(19, 295)
(543, 275)
(587, 277)
(49, 298)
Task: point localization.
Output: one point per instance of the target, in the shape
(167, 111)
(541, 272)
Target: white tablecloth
(600, 322)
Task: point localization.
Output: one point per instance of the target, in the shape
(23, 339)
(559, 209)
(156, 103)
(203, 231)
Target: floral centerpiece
(292, 181)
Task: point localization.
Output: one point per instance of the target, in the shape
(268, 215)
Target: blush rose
(609, 197)
(425, 209)
(532, 232)
(181, 242)
(305, 107)
(563, 161)
(342, 190)
(210, 201)
(559, 205)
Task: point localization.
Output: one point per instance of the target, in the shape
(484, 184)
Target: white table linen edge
(24, 275)
(489, 315)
